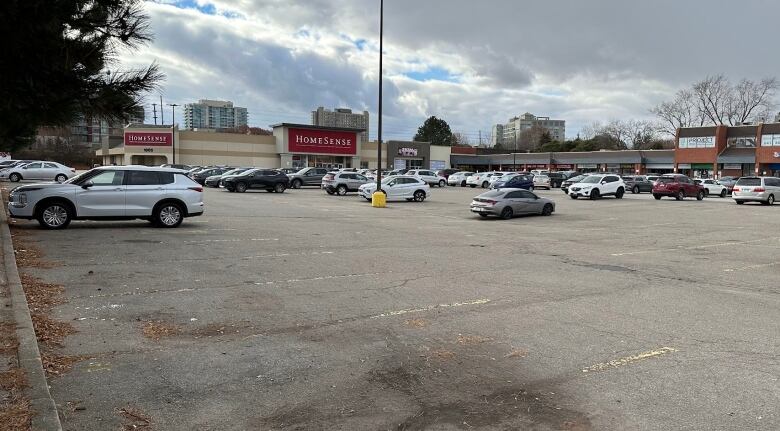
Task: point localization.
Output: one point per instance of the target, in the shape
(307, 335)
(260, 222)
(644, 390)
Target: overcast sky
(472, 63)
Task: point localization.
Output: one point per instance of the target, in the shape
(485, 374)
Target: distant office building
(340, 117)
(507, 134)
(213, 114)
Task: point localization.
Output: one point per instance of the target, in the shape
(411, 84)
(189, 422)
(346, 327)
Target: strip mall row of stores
(735, 151)
(290, 146)
(628, 162)
(700, 152)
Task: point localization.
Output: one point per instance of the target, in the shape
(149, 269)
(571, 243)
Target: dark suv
(270, 180)
(677, 186)
(200, 176)
(638, 183)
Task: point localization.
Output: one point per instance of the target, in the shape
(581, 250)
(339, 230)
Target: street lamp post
(173, 130)
(378, 199)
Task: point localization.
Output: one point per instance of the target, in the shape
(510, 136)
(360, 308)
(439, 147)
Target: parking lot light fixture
(378, 199)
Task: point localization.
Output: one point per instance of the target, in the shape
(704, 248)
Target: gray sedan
(507, 203)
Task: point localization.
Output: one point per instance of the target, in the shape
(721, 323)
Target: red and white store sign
(321, 141)
(149, 139)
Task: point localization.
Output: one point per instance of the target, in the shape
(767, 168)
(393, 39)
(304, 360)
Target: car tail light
(489, 201)
(759, 189)
(735, 189)
(197, 189)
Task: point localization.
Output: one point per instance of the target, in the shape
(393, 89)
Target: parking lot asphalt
(307, 311)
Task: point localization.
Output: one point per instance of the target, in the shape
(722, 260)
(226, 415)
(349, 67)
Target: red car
(677, 186)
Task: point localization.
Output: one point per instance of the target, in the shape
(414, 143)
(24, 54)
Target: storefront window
(741, 142)
(770, 140)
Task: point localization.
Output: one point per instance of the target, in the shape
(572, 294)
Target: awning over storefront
(737, 155)
(612, 157)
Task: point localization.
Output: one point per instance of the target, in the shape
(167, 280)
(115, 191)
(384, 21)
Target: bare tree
(753, 100)
(714, 101)
(460, 139)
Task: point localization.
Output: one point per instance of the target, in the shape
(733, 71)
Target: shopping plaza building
(699, 152)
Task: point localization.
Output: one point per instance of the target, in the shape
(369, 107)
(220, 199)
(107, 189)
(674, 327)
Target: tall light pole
(377, 199)
(173, 129)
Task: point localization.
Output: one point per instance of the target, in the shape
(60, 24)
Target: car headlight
(18, 199)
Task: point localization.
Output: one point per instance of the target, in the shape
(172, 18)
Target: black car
(638, 183)
(270, 180)
(201, 175)
(556, 179)
(572, 180)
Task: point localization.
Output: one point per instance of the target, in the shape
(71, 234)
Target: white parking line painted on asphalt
(230, 240)
(430, 307)
(261, 256)
(325, 277)
(615, 363)
(749, 267)
(695, 247)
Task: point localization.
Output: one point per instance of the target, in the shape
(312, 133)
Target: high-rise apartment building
(340, 117)
(508, 134)
(214, 114)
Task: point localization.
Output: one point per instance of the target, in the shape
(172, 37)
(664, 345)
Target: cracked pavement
(309, 311)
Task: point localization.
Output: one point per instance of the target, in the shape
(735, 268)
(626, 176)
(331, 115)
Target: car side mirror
(603, 182)
(87, 184)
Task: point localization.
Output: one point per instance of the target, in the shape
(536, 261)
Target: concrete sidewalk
(15, 312)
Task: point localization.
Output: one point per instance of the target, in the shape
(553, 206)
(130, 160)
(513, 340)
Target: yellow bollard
(378, 200)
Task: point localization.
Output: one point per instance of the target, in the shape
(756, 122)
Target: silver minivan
(756, 189)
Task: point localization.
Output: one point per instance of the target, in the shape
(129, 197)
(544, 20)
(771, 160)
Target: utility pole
(162, 112)
(154, 109)
(514, 153)
(173, 129)
(377, 200)
(480, 137)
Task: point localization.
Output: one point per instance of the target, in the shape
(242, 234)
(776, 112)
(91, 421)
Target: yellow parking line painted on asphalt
(430, 307)
(615, 363)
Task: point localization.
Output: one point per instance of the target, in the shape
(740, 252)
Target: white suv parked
(429, 177)
(596, 186)
(163, 196)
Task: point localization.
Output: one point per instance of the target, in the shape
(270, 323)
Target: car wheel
(168, 215)
(657, 197)
(230, 189)
(680, 195)
(507, 213)
(240, 187)
(419, 196)
(330, 192)
(573, 196)
(531, 188)
(740, 202)
(279, 188)
(368, 199)
(700, 195)
(442, 183)
(483, 215)
(706, 192)
(547, 210)
(55, 215)
(463, 183)
(595, 194)
(296, 184)
(485, 185)
(619, 193)
(61, 178)
(341, 190)
(770, 200)
(723, 193)
(14, 178)
(635, 190)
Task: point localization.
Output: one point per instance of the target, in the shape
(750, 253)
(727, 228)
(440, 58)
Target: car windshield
(79, 177)
(749, 182)
(578, 178)
(233, 172)
(249, 172)
(592, 179)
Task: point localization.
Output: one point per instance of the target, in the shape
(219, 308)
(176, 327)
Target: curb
(45, 416)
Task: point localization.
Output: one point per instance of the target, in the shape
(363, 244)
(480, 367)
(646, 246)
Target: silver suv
(163, 196)
(307, 177)
(342, 182)
(756, 189)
